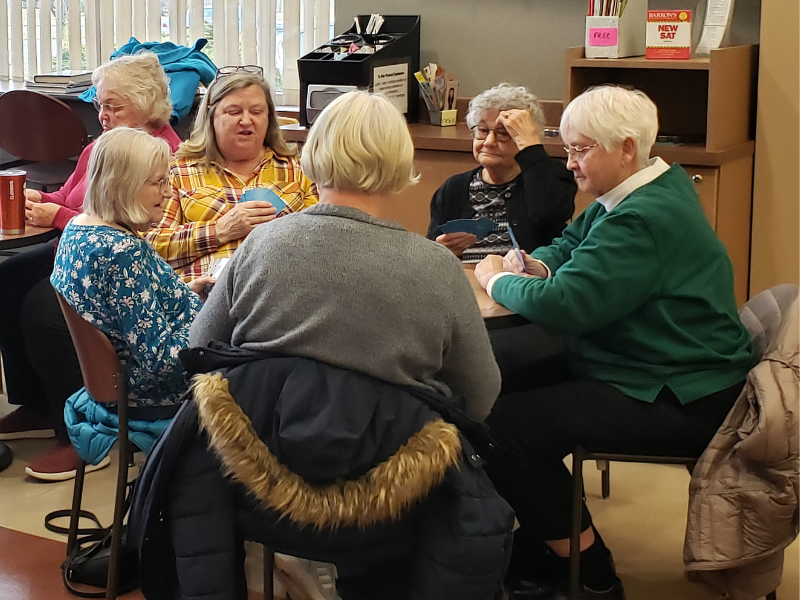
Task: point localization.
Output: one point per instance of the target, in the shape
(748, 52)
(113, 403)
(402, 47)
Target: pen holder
(443, 118)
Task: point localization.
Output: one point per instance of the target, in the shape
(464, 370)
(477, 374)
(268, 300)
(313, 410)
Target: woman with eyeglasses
(641, 289)
(235, 147)
(38, 357)
(516, 184)
(114, 279)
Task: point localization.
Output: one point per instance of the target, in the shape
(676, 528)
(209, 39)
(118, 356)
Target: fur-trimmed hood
(383, 493)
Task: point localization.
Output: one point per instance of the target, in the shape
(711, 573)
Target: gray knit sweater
(337, 285)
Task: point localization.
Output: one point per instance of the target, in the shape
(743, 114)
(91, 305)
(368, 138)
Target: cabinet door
(706, 183)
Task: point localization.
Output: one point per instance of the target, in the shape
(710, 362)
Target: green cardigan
(644, 294)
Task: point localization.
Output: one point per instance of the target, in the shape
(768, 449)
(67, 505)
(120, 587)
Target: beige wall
(776, 220)
(485, 42)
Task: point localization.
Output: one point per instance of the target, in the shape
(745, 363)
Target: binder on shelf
(618, 36)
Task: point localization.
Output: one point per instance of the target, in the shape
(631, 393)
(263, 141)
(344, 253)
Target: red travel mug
(12, 201)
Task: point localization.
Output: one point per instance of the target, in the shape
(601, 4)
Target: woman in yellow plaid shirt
(235, 145)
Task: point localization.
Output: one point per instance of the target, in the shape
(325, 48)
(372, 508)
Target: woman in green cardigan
(641, 290)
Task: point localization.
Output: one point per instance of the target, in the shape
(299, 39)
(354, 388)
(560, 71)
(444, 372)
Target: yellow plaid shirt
(186, 236)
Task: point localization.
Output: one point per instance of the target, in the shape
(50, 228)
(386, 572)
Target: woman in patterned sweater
(516, 184)
(113, 278)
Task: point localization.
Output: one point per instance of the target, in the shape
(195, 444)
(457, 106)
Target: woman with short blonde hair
(117, 175)
(115, 280)
(341, 284)
(360, 146)
(235, 147)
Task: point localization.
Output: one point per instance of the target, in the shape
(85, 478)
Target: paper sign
(392, 82)
(603, 36)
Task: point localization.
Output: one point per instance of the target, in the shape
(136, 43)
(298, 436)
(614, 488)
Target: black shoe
(533, 590)
(5, 456)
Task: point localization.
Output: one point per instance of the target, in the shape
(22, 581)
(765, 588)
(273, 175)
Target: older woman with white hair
(642, 289)
(115, 280)
(516, 184)
(38, 357)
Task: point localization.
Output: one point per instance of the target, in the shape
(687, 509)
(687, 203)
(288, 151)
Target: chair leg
(74, 515)
(575, 537)
(119, 505)
(269, 566)
(605, 473)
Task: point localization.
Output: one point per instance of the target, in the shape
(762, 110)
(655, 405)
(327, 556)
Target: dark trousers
(39, 360)
(538, 426)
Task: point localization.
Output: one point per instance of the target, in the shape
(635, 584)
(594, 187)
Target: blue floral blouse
(117, 282)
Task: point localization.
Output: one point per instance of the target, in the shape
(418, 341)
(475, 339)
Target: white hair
(122, 160)
(506, 97)
(610, 114)
(140, 79)
(360, 143)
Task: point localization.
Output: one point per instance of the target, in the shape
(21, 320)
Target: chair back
(762, 315)
(100, 366)
(39, 128)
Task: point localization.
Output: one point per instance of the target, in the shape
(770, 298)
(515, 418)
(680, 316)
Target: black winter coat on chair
(321, 463)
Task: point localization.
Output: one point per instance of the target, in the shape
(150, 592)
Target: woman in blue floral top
(115, 280)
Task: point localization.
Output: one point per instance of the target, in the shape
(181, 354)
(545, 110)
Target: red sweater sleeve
(70, 196)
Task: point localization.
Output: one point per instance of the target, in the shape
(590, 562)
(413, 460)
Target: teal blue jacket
(644, 294)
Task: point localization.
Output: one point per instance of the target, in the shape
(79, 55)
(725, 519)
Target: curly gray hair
(506, 97)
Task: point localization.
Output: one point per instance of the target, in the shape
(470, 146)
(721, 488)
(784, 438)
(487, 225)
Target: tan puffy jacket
(743, 505)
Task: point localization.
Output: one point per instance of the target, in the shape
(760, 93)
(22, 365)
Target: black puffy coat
(322, 463)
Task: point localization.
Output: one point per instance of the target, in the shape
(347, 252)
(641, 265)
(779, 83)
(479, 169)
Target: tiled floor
(643, 523)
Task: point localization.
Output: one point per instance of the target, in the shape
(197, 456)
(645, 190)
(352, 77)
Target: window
(50, 35)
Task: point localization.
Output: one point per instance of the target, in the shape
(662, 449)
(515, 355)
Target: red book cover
(669, 34)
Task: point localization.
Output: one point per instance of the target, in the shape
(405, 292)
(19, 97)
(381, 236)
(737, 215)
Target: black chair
(105, 380)
(44, 134)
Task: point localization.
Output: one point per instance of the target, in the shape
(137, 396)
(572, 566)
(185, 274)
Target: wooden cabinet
(709, 104)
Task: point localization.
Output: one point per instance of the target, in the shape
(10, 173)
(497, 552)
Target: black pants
(39, 360)
(537, 427)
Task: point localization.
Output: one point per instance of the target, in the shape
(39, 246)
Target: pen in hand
(516, 248)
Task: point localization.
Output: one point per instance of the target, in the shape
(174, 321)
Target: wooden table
(495, 316)
(33, 235)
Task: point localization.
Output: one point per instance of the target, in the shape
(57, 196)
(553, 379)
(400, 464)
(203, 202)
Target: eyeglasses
(163, 184)
(577, 151)
(481, 133)
(224, 71)
(112, 108)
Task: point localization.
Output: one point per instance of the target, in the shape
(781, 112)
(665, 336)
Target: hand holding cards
(265, 195)
(479, 227)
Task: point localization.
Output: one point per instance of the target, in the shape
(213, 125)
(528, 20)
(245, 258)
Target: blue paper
(265, 195)
(480, 227)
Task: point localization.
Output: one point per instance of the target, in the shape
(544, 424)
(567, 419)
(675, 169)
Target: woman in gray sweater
(339, 284)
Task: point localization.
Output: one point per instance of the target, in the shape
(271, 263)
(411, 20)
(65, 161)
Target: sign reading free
(603, 36)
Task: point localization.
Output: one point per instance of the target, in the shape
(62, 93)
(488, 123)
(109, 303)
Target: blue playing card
(480, 227)
(264, 194)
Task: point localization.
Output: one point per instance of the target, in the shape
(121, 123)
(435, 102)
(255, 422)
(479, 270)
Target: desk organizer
(396, 44)
(443, 118)
(618, 37)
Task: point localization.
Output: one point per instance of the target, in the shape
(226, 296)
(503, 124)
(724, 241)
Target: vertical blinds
(48, 35)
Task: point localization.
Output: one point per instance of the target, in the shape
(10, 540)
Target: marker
(516, 248)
